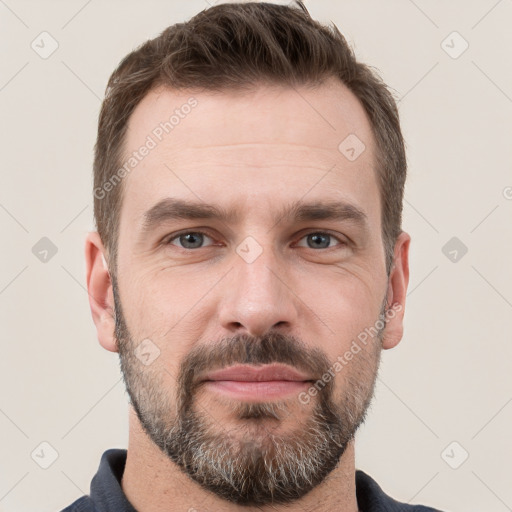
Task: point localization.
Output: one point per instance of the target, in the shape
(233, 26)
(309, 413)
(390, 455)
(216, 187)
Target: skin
(257, 151)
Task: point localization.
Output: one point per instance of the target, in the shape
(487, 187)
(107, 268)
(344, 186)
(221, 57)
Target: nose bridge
(257, 299)
(257, 269)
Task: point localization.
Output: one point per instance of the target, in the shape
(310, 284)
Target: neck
(154, 483)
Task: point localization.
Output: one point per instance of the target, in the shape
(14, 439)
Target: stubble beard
(254, 460)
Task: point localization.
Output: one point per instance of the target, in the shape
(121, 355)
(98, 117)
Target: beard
(256, 462)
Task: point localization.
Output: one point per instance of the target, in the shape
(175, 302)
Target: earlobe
(397, 291)
(99, 287)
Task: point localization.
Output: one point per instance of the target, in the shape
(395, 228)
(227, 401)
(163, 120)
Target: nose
(258, 297)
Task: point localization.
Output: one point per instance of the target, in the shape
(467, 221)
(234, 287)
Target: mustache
(274, 347)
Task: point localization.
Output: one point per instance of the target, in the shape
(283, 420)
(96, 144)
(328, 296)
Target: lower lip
(256, 390)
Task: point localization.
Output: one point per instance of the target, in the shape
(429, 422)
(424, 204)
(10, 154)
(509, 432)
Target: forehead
(252, 148)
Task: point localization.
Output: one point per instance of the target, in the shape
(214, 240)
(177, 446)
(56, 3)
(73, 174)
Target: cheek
(347, 305)
(355, 366)
(152, 305)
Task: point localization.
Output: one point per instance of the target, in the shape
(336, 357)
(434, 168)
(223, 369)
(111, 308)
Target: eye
(196, 239)
(321, 240)
(189, 239)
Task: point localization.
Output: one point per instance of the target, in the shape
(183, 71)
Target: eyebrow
(178, 209)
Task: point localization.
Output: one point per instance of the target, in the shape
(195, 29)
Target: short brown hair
(232, 46)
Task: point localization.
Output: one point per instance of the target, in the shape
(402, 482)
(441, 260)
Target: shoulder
(371, 498)
(105, 486)
(83, 504)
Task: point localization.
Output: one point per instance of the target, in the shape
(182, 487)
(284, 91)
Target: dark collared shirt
(108, 496)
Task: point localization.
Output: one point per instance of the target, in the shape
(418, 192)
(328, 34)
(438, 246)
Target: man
(249, 264)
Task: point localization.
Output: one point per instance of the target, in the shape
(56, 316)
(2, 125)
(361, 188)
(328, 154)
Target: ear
(397, 290)
(99, 287)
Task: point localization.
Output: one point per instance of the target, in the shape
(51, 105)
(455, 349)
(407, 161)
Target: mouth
(257, 383)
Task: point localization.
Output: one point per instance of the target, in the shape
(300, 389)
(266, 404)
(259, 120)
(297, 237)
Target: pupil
(189, 238)
(318, 238)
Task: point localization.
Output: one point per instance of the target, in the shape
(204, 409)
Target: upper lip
(249, 373)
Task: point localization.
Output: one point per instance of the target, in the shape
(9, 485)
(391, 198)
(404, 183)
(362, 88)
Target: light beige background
(450, 378)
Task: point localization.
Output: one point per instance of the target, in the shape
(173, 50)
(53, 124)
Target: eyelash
(168, 240)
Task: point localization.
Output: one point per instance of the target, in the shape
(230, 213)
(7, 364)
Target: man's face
(267, 284)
